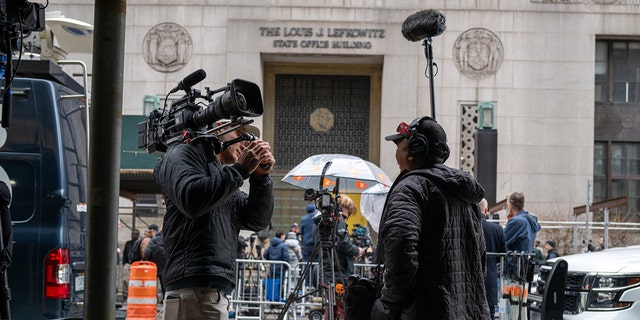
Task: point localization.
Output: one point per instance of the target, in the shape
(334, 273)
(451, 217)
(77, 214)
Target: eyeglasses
(403, 129)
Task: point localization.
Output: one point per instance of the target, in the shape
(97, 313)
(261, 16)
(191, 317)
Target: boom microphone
(423, 24)
(190, 80)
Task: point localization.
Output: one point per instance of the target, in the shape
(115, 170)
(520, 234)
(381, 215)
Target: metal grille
(571, 302)
(574, 281)
(320, 114)
(468, 131)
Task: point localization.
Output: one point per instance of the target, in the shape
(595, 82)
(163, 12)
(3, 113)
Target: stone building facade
(337, 76)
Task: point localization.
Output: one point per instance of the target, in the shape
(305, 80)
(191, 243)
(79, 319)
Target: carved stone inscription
(322, 38)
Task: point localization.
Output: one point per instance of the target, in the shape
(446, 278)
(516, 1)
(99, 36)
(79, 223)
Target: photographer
(205, 212)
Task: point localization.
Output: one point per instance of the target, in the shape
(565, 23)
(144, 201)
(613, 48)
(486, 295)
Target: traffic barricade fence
(259, 296)
(516, 272)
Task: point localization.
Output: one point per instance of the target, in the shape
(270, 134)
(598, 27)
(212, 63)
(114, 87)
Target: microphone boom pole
(428, 52)
(423, 25)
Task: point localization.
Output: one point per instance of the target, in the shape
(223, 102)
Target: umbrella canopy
(349, 173)
(372, 204)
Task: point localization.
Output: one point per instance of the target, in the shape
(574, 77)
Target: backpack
(135, 254)
(156, 254)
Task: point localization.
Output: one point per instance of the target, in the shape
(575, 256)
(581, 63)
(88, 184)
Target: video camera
(360, 236)
(23, 16)
(193, 116)
(327, 205)
(249, 242)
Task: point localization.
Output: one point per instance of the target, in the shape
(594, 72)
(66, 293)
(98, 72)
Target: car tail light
(57, 274)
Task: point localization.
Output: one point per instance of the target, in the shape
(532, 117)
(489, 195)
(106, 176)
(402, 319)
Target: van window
(23, 183)
(23, 135)
(72, 115)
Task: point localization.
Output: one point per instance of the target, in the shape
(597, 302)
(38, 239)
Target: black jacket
(494, 239)
(205, 212)
(345, 251)
(432, 246)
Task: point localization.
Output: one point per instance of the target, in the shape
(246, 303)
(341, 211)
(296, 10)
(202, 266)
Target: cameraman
(205, 212)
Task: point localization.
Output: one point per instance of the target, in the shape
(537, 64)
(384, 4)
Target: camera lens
(242, 102)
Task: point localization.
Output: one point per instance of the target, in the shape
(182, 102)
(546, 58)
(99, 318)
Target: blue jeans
(195, 303)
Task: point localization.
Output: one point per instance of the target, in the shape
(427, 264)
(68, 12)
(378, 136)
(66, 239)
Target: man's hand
(267, 162)
(255, 153)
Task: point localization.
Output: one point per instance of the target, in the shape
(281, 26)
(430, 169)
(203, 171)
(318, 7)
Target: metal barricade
(259, 293)
(515, 274)
(258, 296)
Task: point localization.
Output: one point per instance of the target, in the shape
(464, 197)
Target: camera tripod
(323, 249)
(249, 274)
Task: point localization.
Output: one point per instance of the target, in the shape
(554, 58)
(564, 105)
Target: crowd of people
(433, 239)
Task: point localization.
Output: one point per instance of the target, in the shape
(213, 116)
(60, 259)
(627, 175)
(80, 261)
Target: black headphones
(418, 143)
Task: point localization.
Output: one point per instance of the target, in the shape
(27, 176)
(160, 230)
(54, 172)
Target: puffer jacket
(205, 212)
(306, 229)
(432, 246)
(295, 251)
(277, 251)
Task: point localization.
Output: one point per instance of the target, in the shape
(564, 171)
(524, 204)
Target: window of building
(617, 173)
(617, 71)
(616, 165)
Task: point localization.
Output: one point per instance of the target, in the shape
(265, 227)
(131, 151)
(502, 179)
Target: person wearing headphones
(430, 237)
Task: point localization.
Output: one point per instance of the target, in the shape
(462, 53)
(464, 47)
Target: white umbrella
(372, 204)
(350, 173)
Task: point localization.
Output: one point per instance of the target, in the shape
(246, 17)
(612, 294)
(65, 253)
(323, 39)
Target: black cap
(153, 226)
(551, 243)
(401, 132)
(428, 127)
(431, 129)
(395, 137)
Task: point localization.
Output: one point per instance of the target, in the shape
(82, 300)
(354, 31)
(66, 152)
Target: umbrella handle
(324, 170)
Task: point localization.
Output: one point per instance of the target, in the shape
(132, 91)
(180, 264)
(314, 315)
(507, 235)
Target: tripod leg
(321, 248)
(293, 295)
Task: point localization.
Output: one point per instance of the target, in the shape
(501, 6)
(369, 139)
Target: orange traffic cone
(142, 299)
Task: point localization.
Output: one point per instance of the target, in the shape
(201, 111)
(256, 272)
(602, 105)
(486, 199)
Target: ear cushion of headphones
(445, 153)
(418, 144)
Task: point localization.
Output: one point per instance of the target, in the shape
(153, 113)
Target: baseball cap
(153, 226)
(293, 225)
(402, 131)
(248, 128)
(431, 129)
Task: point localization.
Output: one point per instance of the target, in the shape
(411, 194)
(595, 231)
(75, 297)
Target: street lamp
(486, 165)
(149, 103)
(486, 118)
